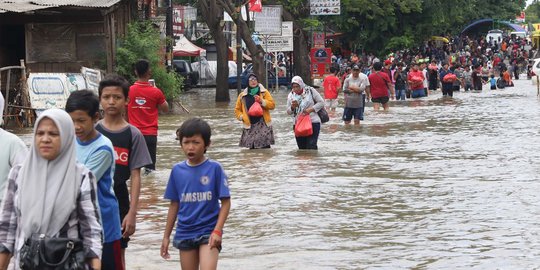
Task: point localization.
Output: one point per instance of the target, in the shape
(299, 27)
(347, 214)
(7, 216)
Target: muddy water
(433, 184)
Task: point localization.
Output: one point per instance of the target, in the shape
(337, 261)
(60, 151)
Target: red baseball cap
(387, 62)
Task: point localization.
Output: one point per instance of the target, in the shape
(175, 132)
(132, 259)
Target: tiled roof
(30, 5)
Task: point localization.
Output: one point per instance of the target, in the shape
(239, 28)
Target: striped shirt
(83, 223)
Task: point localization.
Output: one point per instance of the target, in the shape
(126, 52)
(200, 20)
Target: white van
(494, 35)
(518, 34)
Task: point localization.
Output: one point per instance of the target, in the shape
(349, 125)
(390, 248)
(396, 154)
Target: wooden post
(6, 104)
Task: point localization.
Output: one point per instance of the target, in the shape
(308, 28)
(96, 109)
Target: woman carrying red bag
(304, 101)
(253, 109)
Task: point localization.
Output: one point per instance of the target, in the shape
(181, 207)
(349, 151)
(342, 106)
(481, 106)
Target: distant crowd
(466, 57)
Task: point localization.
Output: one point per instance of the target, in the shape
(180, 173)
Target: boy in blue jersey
(195, 188)
(95, 151)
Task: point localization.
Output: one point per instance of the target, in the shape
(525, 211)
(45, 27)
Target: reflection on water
(434, 183)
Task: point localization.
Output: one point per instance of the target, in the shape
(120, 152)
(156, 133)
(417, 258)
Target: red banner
(318, 40)
(255, 5)
(321, 59)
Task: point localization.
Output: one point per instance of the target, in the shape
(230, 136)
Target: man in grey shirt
(353, 89)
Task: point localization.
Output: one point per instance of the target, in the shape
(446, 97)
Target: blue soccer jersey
(197, 189)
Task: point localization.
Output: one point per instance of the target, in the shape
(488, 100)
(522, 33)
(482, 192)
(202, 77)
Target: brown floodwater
(434, 183)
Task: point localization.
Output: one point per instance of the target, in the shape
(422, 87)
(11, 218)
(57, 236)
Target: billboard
(325, 7)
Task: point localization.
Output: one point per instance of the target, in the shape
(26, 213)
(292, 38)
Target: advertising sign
(268, 21)
(277, 44)
(182, 15)
(325, 7)
(321, 59)
(283, 43)
(521, 17)
(318, 40)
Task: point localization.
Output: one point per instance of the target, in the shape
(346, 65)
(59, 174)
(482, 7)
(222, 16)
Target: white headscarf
(48, 190)
(1, 108)
(298, 80)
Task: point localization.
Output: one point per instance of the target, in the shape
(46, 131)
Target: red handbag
(303, 126)
(255, 110)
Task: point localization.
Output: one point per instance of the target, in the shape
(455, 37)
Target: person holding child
(253, 107)
(196, 189)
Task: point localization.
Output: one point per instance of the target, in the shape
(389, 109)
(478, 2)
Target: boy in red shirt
(145, 102)
(331, 85)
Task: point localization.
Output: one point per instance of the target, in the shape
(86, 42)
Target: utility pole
(169, 34)
(238, 47)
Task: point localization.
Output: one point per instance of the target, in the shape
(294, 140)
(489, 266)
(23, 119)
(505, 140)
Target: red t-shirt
(331, 85)
(144, 100)
(378, 86)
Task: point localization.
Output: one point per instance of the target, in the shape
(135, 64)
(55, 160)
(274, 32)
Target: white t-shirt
(13, 152)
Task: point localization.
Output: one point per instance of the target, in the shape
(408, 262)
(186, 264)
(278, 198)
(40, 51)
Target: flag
(255, 5)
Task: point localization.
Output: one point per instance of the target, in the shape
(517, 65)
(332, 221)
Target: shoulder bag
(323, 114)
(59, 253)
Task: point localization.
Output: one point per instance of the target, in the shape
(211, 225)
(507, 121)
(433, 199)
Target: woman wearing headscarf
(304, 99)
(50, 194)
(257, 132)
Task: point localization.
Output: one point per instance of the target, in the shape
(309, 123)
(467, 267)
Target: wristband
(218, 232)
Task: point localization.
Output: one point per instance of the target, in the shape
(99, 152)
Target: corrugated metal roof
(78, 3)
(26, 5)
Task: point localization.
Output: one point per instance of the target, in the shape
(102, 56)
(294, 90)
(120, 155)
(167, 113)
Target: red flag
(255, 5)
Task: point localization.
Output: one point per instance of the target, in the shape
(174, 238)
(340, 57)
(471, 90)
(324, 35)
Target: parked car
(191, 77)
(282, 81)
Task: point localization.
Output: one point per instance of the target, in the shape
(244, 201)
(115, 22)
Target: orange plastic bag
(303, 126)
(255, 110)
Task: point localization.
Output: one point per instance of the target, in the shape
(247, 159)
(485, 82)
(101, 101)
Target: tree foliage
(143, 42)
(532, 12)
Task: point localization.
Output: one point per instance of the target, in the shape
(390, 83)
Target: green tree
(532, 12)
(143, 42)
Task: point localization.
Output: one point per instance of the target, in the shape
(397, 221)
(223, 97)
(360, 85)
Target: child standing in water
(195, 188)
(493, 82)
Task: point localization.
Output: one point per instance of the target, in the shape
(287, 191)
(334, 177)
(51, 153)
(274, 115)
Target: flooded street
(433, 184)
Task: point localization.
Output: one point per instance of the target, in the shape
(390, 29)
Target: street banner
(255, 5)
(318, 40)
(268, 21)
(321, 59)
(521, 17)
(325, 7)
(182, 16)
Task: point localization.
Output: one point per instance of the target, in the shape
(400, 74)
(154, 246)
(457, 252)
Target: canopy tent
(488, 24)
(184, 47)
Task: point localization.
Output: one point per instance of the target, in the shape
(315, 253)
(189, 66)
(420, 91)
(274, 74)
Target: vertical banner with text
(321, 59)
